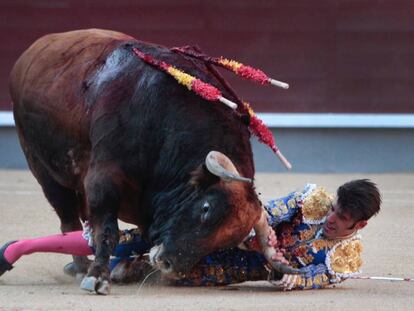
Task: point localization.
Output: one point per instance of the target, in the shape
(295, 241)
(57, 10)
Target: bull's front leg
(103, 197)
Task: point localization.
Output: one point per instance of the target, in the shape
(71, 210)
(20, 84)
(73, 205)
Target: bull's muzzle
(160, 261)
(167, 264)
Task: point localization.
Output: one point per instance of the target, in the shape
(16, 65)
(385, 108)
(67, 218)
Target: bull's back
(48, 86)
(52, 69)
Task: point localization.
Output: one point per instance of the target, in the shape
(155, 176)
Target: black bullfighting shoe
(71, 269)
(4, 264)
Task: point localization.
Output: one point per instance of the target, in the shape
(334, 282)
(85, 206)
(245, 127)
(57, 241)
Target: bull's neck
(171, 194)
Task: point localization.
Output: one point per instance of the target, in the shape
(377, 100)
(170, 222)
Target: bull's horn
(220, 165)
(262, 234)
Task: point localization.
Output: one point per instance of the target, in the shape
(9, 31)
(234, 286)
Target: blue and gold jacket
(297, 220)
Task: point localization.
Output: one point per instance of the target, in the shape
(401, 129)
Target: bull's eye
(204, 211)
(206, 207)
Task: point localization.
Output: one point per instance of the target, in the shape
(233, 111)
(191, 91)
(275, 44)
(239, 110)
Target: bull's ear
(202, 178)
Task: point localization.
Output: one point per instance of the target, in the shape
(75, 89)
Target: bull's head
(219, 212)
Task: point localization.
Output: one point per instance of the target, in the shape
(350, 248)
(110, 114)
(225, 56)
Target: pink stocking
(68, 243)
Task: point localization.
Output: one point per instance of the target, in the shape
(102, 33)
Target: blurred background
(349, 64)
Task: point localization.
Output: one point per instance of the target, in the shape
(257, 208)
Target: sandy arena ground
(38, 283)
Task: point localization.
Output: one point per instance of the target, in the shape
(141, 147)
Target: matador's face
(340, 224)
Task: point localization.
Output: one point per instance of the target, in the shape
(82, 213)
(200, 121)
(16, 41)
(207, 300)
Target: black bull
(107, 136)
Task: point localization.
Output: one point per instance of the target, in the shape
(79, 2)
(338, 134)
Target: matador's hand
(288, 282)
(272, 239)
(272, 242)
(280, 256)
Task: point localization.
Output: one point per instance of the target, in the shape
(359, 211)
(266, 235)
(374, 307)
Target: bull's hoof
(70, 269)
(103, 288)
(88, 283)
(97, 285)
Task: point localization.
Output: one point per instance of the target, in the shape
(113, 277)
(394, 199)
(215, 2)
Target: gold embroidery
(280, 203)
(280, 208)
(291, 203)
(297, 196)
(317, 280)
(319, 244)
(301, 253)
(275, 212)
(220, 274)
(308, 234)
(124, 237)
(316, 205)
(306, 259)
(127, 236)
(346, 258)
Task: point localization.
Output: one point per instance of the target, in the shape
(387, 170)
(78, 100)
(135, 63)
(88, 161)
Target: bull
(109, 137)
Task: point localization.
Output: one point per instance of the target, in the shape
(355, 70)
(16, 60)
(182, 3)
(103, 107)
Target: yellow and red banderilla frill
(211, 93)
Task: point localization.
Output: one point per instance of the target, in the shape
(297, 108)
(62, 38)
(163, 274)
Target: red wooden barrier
(337, 56)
